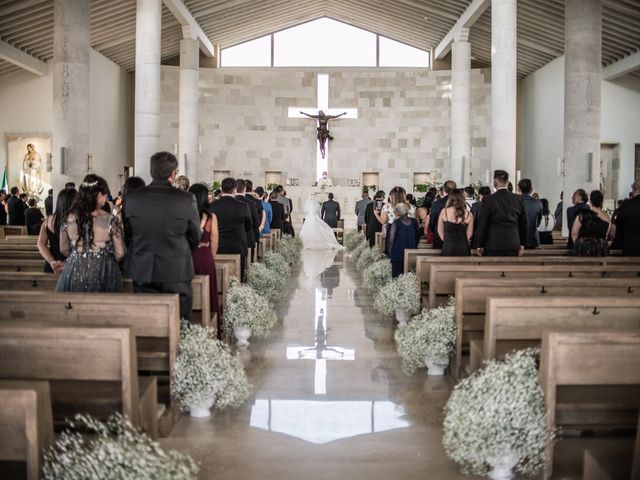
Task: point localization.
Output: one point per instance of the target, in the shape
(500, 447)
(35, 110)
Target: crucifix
(322, 155)
(320, 352)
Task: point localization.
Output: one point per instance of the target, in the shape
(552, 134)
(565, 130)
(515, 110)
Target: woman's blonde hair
(397, 195)
(457, 201)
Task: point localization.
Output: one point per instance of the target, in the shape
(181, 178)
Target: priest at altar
(325, 181)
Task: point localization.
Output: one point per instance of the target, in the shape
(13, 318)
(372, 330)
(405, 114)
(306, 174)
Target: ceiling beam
(621, 67)
(13, 55)
(184, 17)
(466, 20)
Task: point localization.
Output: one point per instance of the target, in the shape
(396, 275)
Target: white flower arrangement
(429, 336)
(352, 240)
(276, 262)
(290, 248)
(368, 257)
(377, 275)
(205, 368)
(267, 283)
(399, 295)
(246, 308)
(498, 411)
(91, 449)
(359, 250)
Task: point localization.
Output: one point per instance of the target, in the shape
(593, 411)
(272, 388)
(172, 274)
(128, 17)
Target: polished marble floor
(330, 399)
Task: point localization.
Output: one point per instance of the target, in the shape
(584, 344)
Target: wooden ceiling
(28, 25)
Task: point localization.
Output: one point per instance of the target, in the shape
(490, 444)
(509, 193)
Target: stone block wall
(403, 123)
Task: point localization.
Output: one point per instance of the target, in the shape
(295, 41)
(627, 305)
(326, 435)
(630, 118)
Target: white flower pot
(502, 466)
(434, 369)
(242, 334)
(403, 318)
(202, 410)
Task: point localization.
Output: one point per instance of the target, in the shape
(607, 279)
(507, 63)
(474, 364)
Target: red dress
(204, 264)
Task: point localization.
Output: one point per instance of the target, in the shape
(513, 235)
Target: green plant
(246, 308)
(271, 186)
(266, 282)
(377, 275)
(215, 186)
(368, 257)
(352, 240)
(205, 368)
(113, 449)
(290, 248)
(498, 411)
(359, 250)
(399, 295)
(276, 262)
(421, 187)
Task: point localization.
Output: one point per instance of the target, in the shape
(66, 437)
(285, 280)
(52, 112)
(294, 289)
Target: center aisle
(330, 398)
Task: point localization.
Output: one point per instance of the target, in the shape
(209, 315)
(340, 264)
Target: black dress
(592, 238)
(456, 243)
(54, 248)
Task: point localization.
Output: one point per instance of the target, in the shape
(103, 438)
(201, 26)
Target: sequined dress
(94, 269)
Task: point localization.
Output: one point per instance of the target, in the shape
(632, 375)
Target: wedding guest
(387, 215)
(403, 233)
(70, 185)
(130, 184)
(330, 212)
(204, 256)
(373, 225)
(268, 211)
(557, 214)
(591, 228)
(48, 203)
(455, 226)
(182, 183)
(165, 228)
(92, 240)
(534, 212)
(579, 200)
(3, 207)
(254, 227)
(436, 208)
(15, 208)
(277, 212)
(33, 217)
(361, 208)
(483, 192)
(49, 237)
(469, 196)
(250, 194)
(547, 224)
(502, 221)
(628, 223)
(234, 223)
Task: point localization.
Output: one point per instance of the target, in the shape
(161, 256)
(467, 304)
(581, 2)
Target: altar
(345, 196)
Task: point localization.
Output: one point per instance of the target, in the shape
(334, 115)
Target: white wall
(541, 125)
(26, 106)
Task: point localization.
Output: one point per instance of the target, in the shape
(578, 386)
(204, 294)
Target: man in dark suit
(580, 201)
(483, 192)
(361, 207)
(330, 212)
(253, 232)
(15, 207)
(165, 228)
(534, 212)
(502, 221)
(628, 223)
(248, 192)
(436, 208)
(48, 203)
(234, 222)
(372, 224)
(277, 217)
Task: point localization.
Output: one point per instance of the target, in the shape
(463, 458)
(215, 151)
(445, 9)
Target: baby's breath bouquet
(277, 263)
(429, 338)
(265, 282)
(114, 449)
(246, 308)
(399, 296)
(205, 368)
(359, 250)
(496, 414)
(377, 275)
(290, 248)
(368, 257)
(352, 240)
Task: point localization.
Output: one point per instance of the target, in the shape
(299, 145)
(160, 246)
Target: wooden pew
(20, 239)
(230, 259)
(518, 322)
(8, 230)
(442, 278)
(599, 360)
(90, 369)
(154, 320)
(471, 298)
(26, 426)
(265, 245)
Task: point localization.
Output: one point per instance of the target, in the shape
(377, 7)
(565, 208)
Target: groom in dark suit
(165, 228)
(331, 212)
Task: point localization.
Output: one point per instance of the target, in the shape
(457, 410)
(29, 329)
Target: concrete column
(460, 108)
(71, 47)
(147, 103)
(503, 85)
(189, 110)
(582, 96)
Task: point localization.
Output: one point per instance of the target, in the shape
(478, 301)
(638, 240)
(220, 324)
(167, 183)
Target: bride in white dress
(316, 234)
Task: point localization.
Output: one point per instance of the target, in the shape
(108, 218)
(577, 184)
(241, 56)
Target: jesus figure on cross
(323, 129)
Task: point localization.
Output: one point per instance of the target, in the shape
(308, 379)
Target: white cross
(320, 352)
(322, 164)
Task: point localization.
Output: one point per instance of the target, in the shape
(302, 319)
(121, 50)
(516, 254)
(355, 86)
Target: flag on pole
(4, 186)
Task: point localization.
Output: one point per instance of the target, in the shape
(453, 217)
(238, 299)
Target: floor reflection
(325, 421)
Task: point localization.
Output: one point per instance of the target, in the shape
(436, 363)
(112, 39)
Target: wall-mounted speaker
(64, 152)
(589, 176)
(49, 166)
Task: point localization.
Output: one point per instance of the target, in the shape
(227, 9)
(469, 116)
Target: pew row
(8, 230)
(471, 299)
(153, 319)
(593, 359)
(89, 369)
(26, 427)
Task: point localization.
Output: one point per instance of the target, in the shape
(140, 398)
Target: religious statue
(323, 129)
(31, 168)
(325, 181)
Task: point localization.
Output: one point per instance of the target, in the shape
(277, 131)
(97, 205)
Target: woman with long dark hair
(455, 226)
(204, 256)
(93, 241)
(547, 224)
(50, 232)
